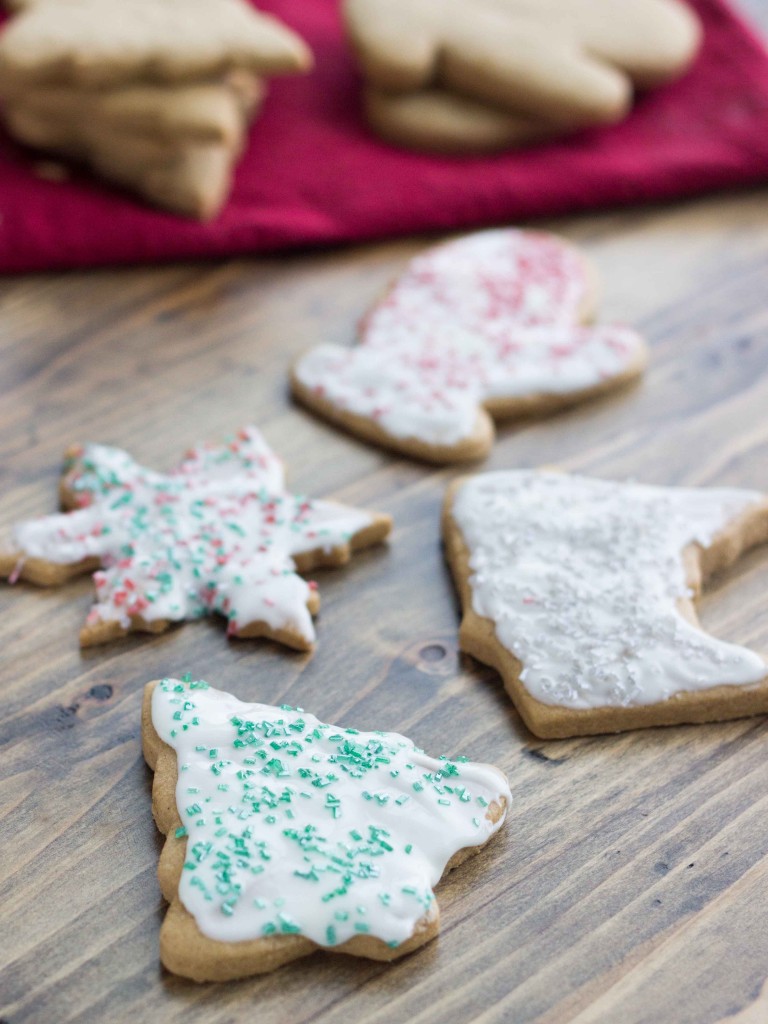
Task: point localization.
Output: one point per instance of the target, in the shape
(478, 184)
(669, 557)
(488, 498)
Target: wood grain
(631, 884)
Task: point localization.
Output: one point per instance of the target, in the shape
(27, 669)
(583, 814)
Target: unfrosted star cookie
(218, 534)
(489, 325)
(580, 592)
(285, 835)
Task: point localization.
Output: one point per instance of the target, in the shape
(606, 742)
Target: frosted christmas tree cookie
(580, 592)
(285, 835)
(218, 534)
(486, 327)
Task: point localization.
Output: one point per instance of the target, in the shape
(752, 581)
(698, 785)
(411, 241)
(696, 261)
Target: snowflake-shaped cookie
(285, 834)
(490, 325)
(218, 534)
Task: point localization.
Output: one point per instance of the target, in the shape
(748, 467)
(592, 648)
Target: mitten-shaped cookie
(489, 325)
(566, 62)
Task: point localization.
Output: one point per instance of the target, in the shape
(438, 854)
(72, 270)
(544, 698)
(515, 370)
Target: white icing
(491, 315)
(217, 534)
(299, 827)
(582, 579)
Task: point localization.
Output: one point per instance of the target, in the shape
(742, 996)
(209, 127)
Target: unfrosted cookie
(489, 325)
(174, 145)
(193, 179)
(567, 62)
(285, 835)
(438, 121)
(220, 534)
(91, 43)
(186, 176)
(580, 592)
(201, 112)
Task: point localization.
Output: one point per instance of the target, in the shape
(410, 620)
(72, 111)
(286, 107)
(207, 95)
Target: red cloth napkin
(314, 174)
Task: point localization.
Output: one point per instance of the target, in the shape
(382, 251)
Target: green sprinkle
(287, 926)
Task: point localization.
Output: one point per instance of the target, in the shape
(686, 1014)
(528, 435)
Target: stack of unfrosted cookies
(481, 75)
(156, 95)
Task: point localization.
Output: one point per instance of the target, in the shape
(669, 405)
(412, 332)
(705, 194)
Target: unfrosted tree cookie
(188, 177)
(218, 534)
(285, 835)
(207, 112)
(564, 62)
(489, 325)
(580, 592)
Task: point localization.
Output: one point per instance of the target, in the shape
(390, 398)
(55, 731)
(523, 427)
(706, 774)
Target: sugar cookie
(284, 835)
(186, 176)
(218, 534)
(566, 62)
(202, 112)
(580, 592)
(442, 122)
(89, 43)
(487, 325)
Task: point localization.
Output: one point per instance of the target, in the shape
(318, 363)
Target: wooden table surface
(631, 882)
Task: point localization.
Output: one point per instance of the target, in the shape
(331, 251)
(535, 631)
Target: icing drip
(299, 827)
(492, 315)
(217, 534)
(581, 579)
